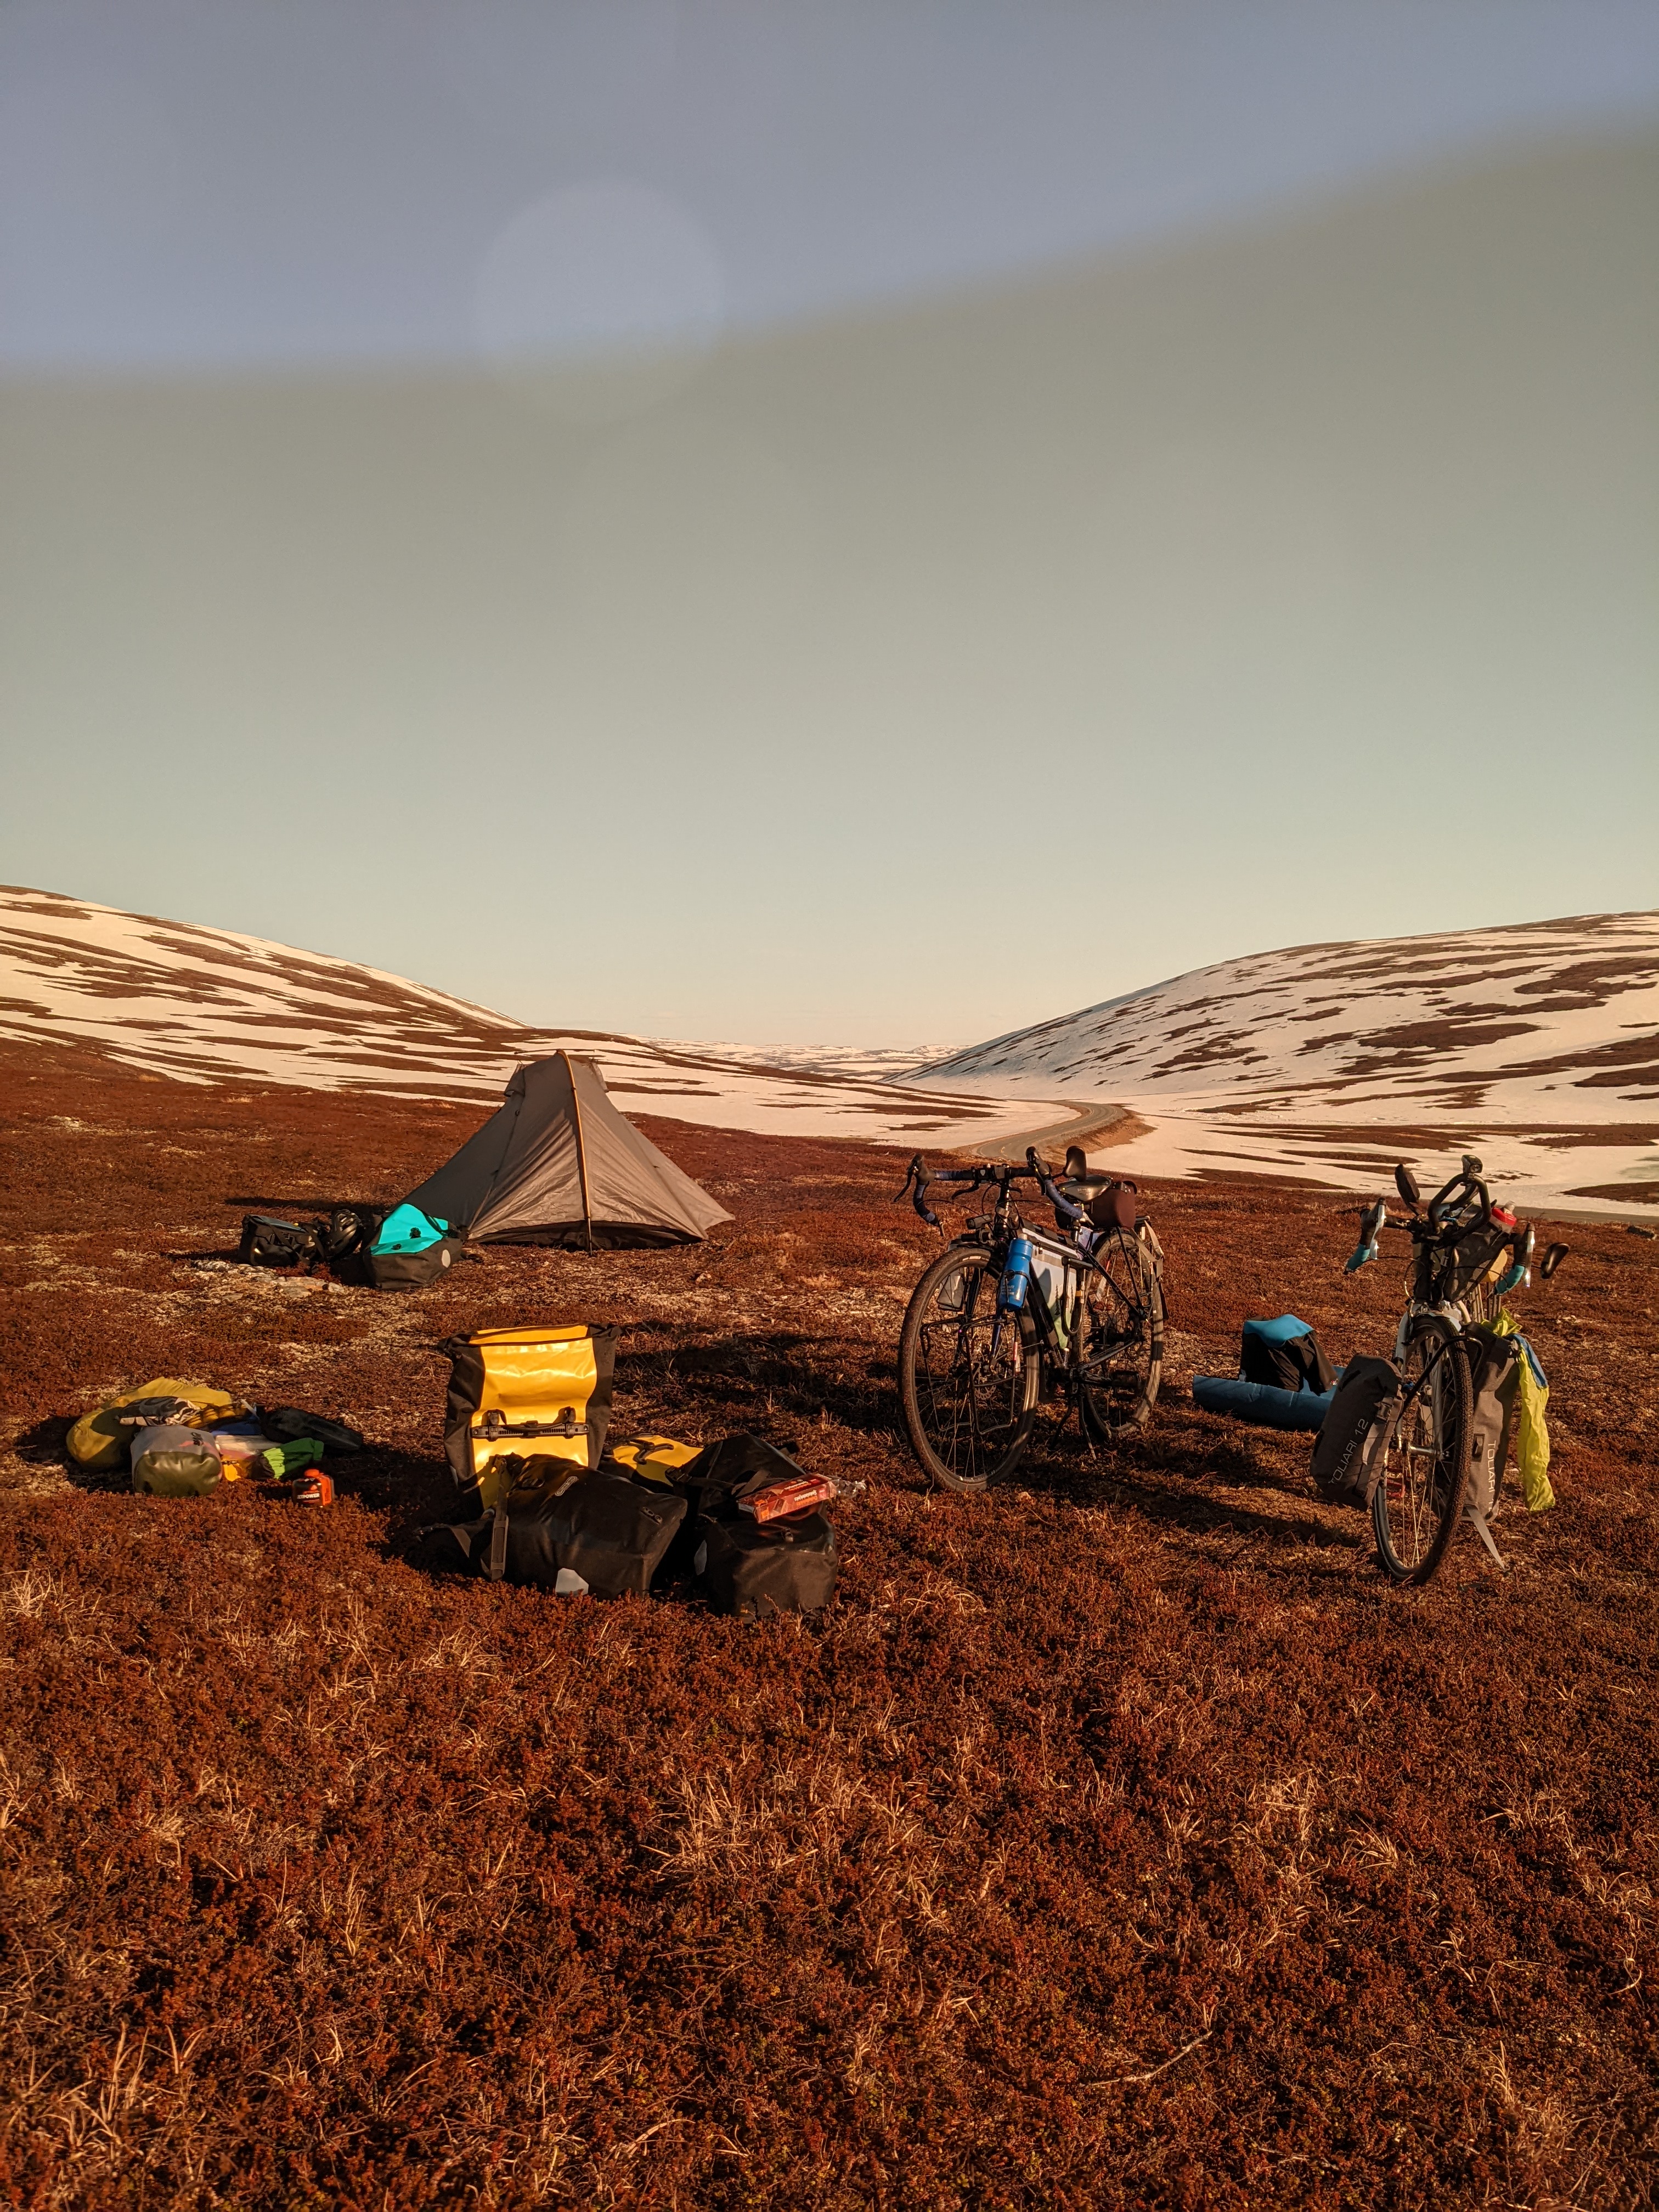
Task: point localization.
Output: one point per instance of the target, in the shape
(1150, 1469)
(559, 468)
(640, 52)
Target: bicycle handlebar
(919, 1177)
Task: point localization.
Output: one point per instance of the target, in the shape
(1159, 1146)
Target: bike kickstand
(1485, 1534)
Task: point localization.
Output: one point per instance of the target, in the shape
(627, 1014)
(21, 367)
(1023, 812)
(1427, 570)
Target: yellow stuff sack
(522, 1393)
(654, 1459)
(98, 1443)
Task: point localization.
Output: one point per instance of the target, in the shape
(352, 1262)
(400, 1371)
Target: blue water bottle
(1016, 1277)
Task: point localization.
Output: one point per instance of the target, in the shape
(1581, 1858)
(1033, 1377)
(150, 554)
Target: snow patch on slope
(1536, 1046)
(208, 1006)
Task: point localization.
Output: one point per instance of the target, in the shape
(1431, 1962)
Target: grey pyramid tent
(557, 1163)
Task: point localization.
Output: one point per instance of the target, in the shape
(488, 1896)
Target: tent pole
(581, 1150)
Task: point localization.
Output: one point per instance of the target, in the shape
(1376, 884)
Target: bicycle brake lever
(1520, 1273)
(910, 1175)
(1370, 1227)
(916, 1179)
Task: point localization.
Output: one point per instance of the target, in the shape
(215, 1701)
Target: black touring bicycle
(1011, 1315)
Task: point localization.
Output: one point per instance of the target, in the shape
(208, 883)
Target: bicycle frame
(1058, 1324)
(1459, 1211)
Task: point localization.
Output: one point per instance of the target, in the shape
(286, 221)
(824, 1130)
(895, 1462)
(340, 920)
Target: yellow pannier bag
(654, 1459)
(98, 1443)
(523, 1393)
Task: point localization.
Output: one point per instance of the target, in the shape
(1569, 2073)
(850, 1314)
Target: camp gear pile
(740, 1520)
(184, 1439)
(1285, 1380)
(557, 1163)
(525, 1430)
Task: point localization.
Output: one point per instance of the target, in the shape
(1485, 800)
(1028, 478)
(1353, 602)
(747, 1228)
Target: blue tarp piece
(406, 1229)
(1260, 1402)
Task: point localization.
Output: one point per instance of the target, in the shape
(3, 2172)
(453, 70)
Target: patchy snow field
(206, 1005)
(1536, 1046)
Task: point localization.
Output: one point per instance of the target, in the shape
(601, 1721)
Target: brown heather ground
(1119, 1839)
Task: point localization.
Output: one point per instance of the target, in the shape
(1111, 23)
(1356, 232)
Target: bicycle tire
(968, 1415)
(1123, 1316)
(1424, 1482)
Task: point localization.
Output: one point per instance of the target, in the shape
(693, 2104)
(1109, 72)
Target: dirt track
(1116, 1840)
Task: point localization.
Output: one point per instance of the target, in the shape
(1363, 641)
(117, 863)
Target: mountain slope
(1537, 1045)
(205, 1005)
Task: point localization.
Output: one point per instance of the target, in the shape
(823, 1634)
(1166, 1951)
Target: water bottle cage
(493, 1426)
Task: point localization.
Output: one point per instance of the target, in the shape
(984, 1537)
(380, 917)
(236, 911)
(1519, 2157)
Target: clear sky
(837, 523)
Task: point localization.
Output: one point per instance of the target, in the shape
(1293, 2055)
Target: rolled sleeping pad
(1260, 1402)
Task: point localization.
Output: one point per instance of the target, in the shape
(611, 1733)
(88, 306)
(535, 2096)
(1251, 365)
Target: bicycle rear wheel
(1122, 1323)
(1425, 1478)
(969, 1387)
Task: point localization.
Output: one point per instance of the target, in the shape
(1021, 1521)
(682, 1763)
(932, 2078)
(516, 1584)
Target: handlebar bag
(1285, 1355)
(518, 1392)
(1474, 1256)
(1347, 1457)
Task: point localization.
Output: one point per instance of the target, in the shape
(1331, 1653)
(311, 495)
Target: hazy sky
(213, 183)
(1100, 483)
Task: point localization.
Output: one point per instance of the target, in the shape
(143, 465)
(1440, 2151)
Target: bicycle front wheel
(1121, 1356)
(1425, 1478)
(968, 1378)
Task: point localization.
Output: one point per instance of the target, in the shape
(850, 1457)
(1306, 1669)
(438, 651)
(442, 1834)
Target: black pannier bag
(723, 1472)
(1285, 1355)
(559, 1528)
(753, 1569)
(1347, 1455)
(268, 1243)
(410, 1271)
(1495, 1375)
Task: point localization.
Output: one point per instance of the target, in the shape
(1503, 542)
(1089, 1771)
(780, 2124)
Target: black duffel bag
(566, 1530)
(268, 1243)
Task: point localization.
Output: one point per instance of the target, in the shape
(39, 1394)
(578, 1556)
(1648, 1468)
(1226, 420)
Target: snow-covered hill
(202, 1005)
(1536, 1046)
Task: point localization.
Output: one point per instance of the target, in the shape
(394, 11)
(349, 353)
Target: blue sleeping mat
(1260, 1402)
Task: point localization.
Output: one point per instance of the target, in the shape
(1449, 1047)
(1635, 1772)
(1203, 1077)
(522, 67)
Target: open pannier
(525, 1393)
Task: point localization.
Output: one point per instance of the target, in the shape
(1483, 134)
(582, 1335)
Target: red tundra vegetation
(1119, 1838)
